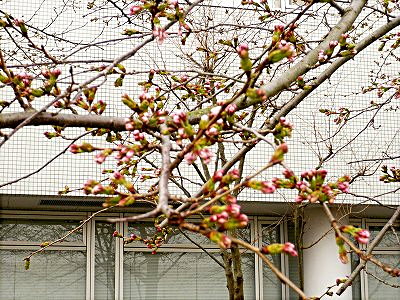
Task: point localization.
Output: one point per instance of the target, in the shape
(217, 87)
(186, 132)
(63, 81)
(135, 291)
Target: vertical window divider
(259, 262)
(91, 253)
(363, 274)
(257, 270)
(284, 258)
(119, 265)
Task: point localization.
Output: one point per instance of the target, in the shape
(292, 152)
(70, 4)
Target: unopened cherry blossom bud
(218, 175)
(213, 218)
(362, 236)
(206, 155)
(243, 50)
(135, 10)
(243, 218)
(190, 157)
(233, 209)
(74, 148)
(344, 187)
(212, 131)
(129, 126)
(289, 249)
(231, 108)
(215, 111)
(288, 173)
(97, 189)
(267, 187)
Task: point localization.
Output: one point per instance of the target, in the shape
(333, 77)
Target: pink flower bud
(206, 155)
(215, 111)
(190, 157)
(74, 148)
(279, 28)
(135, 10)
(233, 209)
(97, 189)
(243, 218)
(287, 173)
(218, 175)
(231, 108)
(289, 249)
(213, 218)
(212, 131)
(344, 187)
(267, 187)
(100, 158)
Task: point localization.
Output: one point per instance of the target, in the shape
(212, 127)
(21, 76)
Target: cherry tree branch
(370, 248)
(270, 265)
(62, 239)
(393, 272)
(103, 73)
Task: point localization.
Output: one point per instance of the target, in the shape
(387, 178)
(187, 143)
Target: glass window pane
(356, 285)
(390, 239)
(104, 285)
(272, 287)
(52, 275)
(147, 229)
(35, 230)
(379, 290)
(296, 2)
(180, 276)
(294, 269)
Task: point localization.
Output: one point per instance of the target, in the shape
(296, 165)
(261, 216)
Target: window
(58, 273)
(92, 264)
(371, 282)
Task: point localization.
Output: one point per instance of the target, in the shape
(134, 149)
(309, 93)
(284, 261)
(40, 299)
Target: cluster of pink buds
(259, 94)
(231, 108)
(125, 153)
(134, 10)
(221, 239)
(287, 248)
(46, 73)
(322, 57)
(276, 35)
(25, 78)
(283, 49)
(137, 135)
(226, 217)
(85, 147)
(361, 235)
(245, 61)
(243, 50)
(205, 154)
(266, 187)
(96, 188)
(152, 243)
(101, 156)
(282, 130)
(172, 3)
(160, 34)
(178, 117)
(229, 177)
(313, 187)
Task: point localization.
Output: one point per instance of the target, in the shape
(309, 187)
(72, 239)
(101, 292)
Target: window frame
(88, 245)
(378, 250)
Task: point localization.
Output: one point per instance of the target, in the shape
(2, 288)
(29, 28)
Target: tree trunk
(230, 283)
